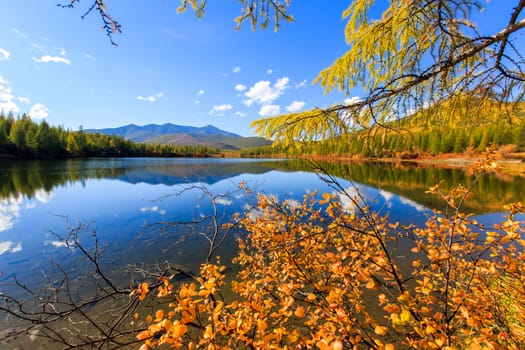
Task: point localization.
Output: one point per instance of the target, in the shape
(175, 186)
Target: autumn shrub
(323, 275)
(506, 151)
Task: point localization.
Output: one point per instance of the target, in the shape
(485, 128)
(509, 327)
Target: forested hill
(151, 131)
(21, 137)
(182, 135)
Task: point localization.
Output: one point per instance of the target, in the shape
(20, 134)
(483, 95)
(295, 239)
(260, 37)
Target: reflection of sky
(120, 209)
(9, 212)
(352, 198)
(9, 247)
(412, 204)
(387, 196)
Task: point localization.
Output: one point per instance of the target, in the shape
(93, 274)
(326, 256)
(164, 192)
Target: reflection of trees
(26, 178)
(412, 180)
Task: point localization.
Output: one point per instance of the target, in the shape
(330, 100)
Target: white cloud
(201, 92)
(23, 99)
(411, 203)
(269, 110)
(89, 57)
(351, 100)
(269, 71)
(264, 93)
(4, 54)
(240, 87)
(9, 212)
(9, 247)
(221, 108)
(236, 69)
(240, 114)
(151, 209)
(247, 102)
(223, 201)
(351, 199)
(7, 99)
(56, 59)
(39, 47)
(147, 98)
(58, 244)
(151, 98)
(62, 52)
(22, 35)
(386, 195)
(302, 84)
(282, 83)
(38, 111)
(43, 196)
(295, 106)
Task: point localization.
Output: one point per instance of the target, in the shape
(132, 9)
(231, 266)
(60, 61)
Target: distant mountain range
(173, 134)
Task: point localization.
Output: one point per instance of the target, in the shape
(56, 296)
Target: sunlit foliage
(331, 276)
(416, 54)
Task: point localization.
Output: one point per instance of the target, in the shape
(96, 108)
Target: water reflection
(36, 179)
(10, 247)
(147, 211)
(411, 181)
(123, 198)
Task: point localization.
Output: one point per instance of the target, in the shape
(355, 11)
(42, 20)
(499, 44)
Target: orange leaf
(159, 315)
(380, 330)
(144, 335)
(337, 345)
(299, 312)
(179, 330)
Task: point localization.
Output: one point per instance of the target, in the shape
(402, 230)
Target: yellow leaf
(405, 316)
(430, 329)
(208, 332)
(293, 336)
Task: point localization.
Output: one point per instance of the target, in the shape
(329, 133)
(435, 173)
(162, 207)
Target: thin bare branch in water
(87, 306)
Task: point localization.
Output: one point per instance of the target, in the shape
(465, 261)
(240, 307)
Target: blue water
(132, 204)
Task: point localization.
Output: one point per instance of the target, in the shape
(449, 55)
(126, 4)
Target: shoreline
(458, 161)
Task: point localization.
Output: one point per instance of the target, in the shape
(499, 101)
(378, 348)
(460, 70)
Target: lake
(149, 210)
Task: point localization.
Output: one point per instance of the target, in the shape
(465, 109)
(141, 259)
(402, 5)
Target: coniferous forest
(21, 137)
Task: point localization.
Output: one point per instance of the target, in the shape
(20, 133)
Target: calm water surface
(127, 201)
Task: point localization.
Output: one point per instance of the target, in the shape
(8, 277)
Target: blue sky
(168, 67)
